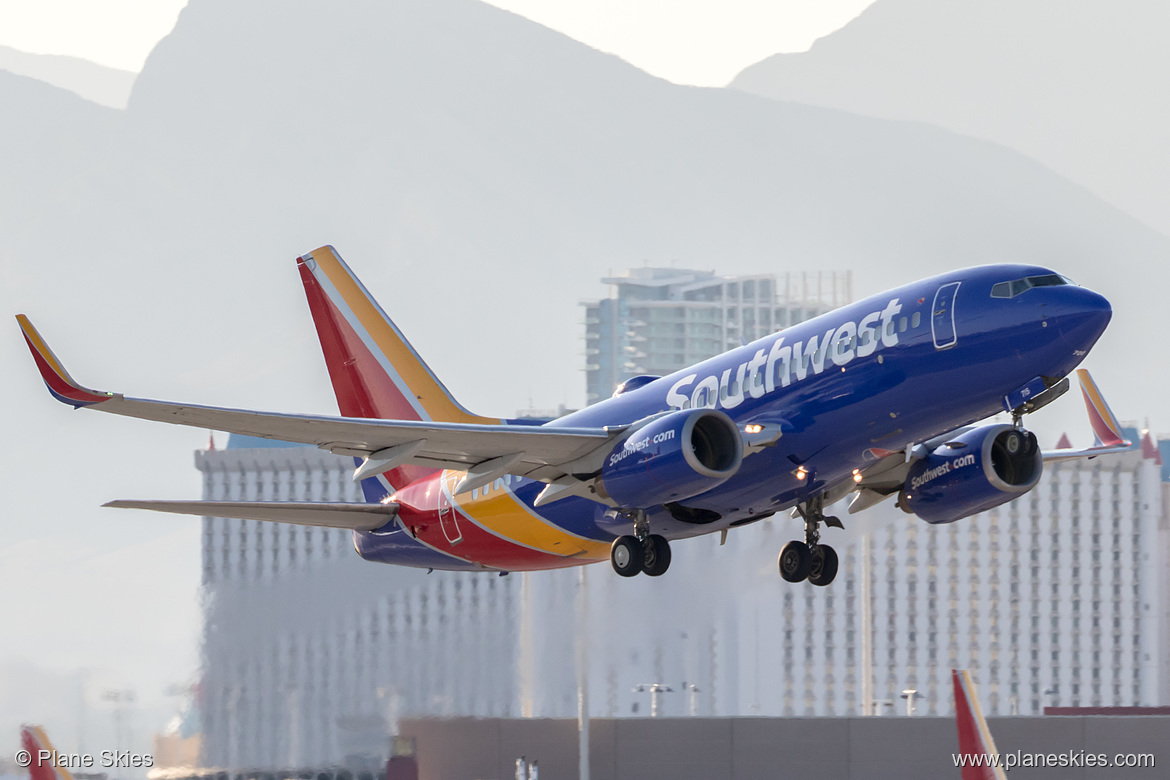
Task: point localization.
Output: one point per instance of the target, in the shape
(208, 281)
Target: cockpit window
(1016, 286)
(1050, 280)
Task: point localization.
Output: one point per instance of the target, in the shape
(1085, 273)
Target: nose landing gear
(810, 560)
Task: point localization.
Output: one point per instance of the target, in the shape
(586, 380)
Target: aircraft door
(447, 519)
(942, 318)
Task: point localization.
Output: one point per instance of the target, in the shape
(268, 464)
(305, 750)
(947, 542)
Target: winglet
(1105, 425)
(60, 384)
(977, 751)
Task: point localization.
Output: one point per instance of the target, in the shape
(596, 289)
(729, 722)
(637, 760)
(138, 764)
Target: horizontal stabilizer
(355, 517)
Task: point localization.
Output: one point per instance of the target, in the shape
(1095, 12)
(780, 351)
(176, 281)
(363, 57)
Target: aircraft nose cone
(1083, 316)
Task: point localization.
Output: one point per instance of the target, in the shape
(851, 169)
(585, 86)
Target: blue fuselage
(886, 372)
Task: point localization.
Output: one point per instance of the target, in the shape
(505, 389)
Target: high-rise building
(1057, 598)
(659, 320)
(310, 654)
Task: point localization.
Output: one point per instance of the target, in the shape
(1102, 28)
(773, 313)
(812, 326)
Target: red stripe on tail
(34, 740)
(971, 741)
(1103, 430)
(362, 386)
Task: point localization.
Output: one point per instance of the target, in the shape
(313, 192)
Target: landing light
(801, 473)
(753, 428)
(856, 475)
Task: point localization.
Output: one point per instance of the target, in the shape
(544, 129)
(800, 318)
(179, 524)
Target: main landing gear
(810, 560)
(642, 552)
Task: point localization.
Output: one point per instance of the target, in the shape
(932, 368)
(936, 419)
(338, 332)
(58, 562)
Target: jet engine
(672, 457)
(974, 471)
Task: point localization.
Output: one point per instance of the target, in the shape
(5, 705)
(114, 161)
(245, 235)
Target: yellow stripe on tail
(375, 370)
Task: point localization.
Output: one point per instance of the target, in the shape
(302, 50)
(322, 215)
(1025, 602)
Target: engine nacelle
(975, 471)
(673, 457)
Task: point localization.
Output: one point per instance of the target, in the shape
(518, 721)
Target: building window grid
(1082, 667)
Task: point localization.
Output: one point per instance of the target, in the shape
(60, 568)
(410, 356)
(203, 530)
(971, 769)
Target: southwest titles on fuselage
(783, 364)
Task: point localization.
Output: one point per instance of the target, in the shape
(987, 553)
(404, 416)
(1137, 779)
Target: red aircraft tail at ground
(975, 741)
(35, 740)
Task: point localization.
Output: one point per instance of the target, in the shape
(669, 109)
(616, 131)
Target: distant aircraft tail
(976, 746)
(34, 740)
(375, 371)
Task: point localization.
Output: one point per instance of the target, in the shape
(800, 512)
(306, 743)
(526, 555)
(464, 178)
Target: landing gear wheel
(810, 559)
(627, 555)
(656, 559)
(824, 565)
(795, 561)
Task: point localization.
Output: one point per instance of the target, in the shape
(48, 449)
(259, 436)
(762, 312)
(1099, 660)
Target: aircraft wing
(886, 470)
(534, 451)
(1107, 430)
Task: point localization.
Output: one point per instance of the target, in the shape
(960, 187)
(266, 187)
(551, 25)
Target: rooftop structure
(658, 320)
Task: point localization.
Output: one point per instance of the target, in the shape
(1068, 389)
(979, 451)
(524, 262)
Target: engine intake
(976, 470)
(673, 457)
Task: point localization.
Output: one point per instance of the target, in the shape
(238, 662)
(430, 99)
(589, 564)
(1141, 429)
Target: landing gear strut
(810, 560)
(641, 552)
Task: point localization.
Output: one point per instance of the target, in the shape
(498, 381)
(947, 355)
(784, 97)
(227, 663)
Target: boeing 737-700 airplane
(879, 398)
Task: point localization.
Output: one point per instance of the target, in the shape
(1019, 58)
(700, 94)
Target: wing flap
(354, 517)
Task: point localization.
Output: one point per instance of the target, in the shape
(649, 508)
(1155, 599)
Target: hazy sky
(81, 599)
(685, 41)
(88, 587)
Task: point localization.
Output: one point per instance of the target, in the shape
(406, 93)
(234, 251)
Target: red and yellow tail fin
(375, 371)
(36, 742)
(975, 740)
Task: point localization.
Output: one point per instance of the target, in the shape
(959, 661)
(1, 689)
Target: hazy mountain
(105, 86)
(53, 141)
(1080, 86)
(482, 173)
